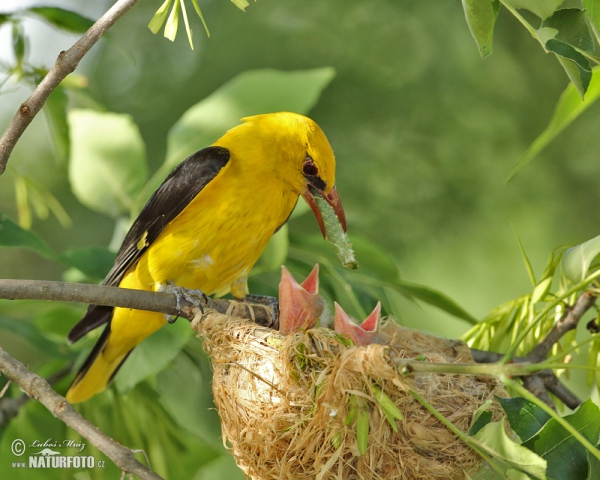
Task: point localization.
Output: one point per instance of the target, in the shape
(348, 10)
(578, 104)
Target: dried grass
(283, 402)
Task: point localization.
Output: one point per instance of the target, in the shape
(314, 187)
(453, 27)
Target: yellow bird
(206, 226)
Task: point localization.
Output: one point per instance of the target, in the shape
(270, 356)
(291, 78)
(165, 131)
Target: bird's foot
(195, 297)
(271, 302)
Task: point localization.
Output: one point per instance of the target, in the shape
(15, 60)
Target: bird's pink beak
(362, 334)
(332, 199)
(300, 305)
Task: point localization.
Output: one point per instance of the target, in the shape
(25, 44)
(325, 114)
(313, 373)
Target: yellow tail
(126, 329)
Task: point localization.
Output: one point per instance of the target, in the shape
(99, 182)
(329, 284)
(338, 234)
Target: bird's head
(293, 149)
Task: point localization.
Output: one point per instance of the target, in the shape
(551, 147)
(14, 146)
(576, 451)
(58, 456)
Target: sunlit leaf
(494, 440)
(576, 261)
(555, 444)
(186, 22)
(481, 17)
(156, 22)
(64, 19)
(241, 4)
(568, 108)
(108, 161)
(481, 417)
(172, 22)
(542, 8)
(592, 8)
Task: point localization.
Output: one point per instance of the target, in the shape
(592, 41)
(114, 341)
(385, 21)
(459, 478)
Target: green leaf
(572, 28)
(576, 261)
(5, 17)
(481, 17)
(542, 8)
(592, 8)
(32, 335)
(11, 235)
(541, 290)
(195, 410)
(493, 439)
(199, 13)
(525, 417)
(64, 19)
(55, 110)
(528, 266)
(18, 43)
(153, 355)
(481, 417)
(222, 467)
(156, 22)
(436, 299)
(108, 161)
(241, 4)
(569, 107)
(94, 262)
(172, 22)
(593, 467)
(566, 457)
(575, 64)
(250, 93)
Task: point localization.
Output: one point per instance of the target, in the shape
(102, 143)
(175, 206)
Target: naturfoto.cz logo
(47, 457)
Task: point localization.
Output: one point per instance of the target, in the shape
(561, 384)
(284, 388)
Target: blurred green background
(425, 133)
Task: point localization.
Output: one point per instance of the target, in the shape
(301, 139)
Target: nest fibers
(283, 402)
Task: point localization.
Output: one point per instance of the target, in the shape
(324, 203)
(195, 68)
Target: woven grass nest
(283, 402)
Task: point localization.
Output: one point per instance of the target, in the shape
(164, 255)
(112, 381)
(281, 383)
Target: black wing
(175, 193)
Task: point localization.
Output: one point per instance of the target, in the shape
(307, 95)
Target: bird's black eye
(309, 167)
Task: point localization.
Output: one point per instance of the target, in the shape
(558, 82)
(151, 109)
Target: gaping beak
(332, 199)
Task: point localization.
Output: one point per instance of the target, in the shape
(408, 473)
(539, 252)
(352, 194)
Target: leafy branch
(38, 388)
(66, 63)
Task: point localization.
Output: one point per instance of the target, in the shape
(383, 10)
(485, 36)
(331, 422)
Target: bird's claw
(271, 302)
(195, 297)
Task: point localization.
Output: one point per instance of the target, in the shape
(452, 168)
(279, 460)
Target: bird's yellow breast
(218, 237)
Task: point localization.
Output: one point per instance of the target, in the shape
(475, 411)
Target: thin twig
(66, 63)
(139, 299)
(39, 389)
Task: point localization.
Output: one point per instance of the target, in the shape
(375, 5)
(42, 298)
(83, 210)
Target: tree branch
(9, 407)
(66, 63)
(39, 389)
(544, 381)
(167, 303)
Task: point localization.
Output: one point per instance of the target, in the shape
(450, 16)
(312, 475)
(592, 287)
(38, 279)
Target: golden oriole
(206, 226)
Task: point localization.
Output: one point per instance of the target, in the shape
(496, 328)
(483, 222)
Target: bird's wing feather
(175, 193)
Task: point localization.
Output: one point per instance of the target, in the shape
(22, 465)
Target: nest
(283, 402)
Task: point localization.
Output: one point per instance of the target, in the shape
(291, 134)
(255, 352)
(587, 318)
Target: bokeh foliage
(425, 134)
